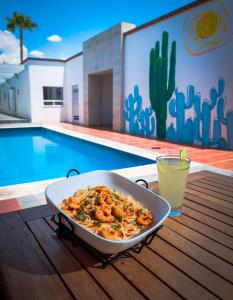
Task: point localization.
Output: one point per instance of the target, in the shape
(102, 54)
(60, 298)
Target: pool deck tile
(217, 158)
(28, 201)
(9, 205)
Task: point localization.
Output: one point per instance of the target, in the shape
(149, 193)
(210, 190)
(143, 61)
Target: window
(52, 93)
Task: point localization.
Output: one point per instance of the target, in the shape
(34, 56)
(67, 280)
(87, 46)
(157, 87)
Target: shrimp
(105, 198)
(103, 214)
(109, 234)
(145, 219)
(118, 211)
(74, 205)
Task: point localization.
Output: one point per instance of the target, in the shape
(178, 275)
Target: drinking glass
(173, 172)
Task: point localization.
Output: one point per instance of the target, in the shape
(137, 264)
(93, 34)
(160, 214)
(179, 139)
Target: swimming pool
(33, 154)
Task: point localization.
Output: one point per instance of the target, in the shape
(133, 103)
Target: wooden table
(192, 256)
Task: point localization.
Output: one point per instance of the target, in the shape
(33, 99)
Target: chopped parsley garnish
(125, 207)
(114, 226)
(97, 223)
(81, 216)
(91, 213)
(116, 196)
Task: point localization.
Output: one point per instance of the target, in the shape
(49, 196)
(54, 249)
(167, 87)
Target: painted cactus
(147, 122)
(133, 106)
(177, 106)
(203, 115)
(161, 85)
(227, 121)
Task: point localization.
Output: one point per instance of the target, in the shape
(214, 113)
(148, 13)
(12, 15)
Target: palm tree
(22, 22)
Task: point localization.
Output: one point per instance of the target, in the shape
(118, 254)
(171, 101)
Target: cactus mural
(227, 121)
(141, 122)
(147, 122)
(199, 130)
(203, 117)
(184, 130)
(161, 86)
(133, 106)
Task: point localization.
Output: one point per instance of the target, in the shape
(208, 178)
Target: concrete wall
(200, 109)
(21, 84)
(73, 75)
(50, 74)
(102, 53)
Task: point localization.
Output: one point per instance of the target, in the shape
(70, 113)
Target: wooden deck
(191, 258)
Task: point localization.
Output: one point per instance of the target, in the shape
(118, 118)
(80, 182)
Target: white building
(111, 82)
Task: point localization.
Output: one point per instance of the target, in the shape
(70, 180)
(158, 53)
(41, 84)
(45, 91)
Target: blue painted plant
(227, 121)
(184, 129)
(203, 117)
(133, 106)
(147, 122)
(140, 121)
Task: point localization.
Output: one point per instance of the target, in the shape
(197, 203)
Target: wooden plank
(206, 230)
(212, 205)
(221, 178)
(210, 187)
(201, 240)
(111, 281)
(77, 279)
(25, 270)
(214, 182)
(197, 253)
(208, 212)
(191, 268)
(196, 175)
(224, 184)
(195, 185)
(218, 198)
(210, 221)
(35, 212)
(173, 277)
(144, 280)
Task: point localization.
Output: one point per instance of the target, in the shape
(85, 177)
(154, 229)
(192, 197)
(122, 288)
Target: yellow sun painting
(207, 30)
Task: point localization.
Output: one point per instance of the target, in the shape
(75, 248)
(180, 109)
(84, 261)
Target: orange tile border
(211, 157)
(9, 205)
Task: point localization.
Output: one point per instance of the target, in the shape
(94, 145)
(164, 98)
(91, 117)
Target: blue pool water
(33, 154)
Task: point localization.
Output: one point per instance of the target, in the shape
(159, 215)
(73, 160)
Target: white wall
(50, 74)
(202, 71)
(73, 75)
(21, 83)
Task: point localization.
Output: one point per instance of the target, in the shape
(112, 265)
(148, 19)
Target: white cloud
(9, 48)
(54, 38)
(36, 53)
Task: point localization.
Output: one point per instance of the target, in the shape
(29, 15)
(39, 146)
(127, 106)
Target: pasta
(110, 214)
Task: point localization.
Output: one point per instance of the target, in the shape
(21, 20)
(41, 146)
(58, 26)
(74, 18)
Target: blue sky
(75, 20)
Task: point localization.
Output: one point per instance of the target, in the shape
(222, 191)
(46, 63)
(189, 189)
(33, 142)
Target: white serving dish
(61, 189)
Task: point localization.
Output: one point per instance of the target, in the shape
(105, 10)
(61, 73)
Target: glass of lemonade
(173, 172)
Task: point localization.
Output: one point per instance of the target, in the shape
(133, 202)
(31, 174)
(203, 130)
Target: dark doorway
(100, 92)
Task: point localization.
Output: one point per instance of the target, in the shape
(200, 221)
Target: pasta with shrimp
(108, 213)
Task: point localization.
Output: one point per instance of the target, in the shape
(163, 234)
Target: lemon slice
(183, 153)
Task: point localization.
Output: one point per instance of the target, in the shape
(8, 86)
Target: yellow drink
(173, 173)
